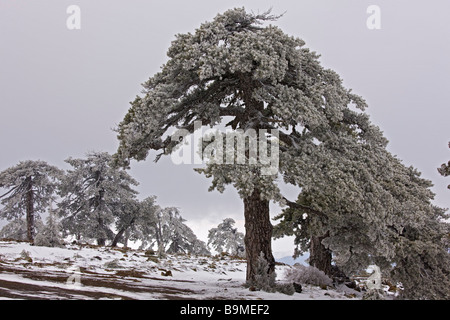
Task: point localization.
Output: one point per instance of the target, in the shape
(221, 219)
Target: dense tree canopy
(93, 194)
(255, 77)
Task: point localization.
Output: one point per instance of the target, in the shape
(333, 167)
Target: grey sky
(62, 91)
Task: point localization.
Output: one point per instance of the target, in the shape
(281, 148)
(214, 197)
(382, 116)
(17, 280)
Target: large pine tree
(255, 77)
(377, 211)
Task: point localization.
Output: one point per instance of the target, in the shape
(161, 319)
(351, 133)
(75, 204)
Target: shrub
(308, 275)
(113, 264)
(266, 281)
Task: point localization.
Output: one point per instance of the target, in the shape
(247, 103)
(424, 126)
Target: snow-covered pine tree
(178, 237)
(50, 234)
(226, 238)
(16, 230)
(31, 186)
(166, 230)
(135, 220)
(262, 79)
(92, 196)
(127, 214)
(377, 211)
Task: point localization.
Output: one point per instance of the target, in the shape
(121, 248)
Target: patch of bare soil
(98, 286)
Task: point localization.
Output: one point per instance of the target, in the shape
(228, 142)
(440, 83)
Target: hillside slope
(81, 272)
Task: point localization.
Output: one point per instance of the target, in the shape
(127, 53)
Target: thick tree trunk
(30, 210)
(258, 233)
(320, 257)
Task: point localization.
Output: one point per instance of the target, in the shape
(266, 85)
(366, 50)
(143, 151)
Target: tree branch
(302, 207)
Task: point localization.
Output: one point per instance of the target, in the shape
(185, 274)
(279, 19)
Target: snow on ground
(81, 272)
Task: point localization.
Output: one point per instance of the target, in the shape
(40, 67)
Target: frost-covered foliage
(385, 216)
(308, 275)
(266, 281)
(261, 78)
(254, 76)
(135, 220)
(445, 169)
(17, 229)
(50, 235)
(93, 194)
(31, 187)
(238, 69)
(226, 238)
(373, 294)
(168, 232)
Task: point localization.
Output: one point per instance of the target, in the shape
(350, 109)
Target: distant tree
(226, 238)
(170, 234)
(16, 229)
(129, 213)
(93, 196)
(135, 220)
(182, 238)
(445, 169)
(31, 187)
(50, 234)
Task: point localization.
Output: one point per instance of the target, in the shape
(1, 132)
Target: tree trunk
(30, 210)
(320, 257)
(121, 232)
(258, 233)
(125, 241)
(101, 240)
(117, 237)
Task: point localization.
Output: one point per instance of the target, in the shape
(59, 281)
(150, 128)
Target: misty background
(63, 91)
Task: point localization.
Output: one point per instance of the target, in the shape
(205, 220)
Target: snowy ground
(75, 272)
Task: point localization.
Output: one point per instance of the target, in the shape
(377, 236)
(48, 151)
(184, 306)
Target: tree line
(94, 201)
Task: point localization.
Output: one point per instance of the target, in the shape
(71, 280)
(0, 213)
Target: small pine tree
(50, 235)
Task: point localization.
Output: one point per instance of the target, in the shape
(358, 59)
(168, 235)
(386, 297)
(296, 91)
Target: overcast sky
(62, 91)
